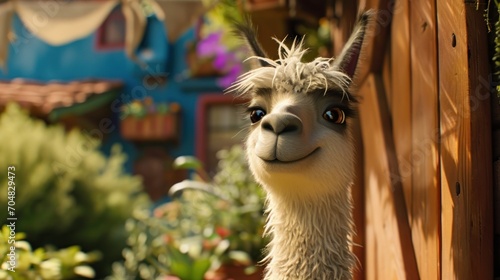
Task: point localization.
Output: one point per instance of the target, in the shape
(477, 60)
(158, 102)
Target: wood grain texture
(345, 11)
(400, 77)
(389, 246)
(496, 181)
(466, 175)
(358, 196)
(377, 36)
(425, 186)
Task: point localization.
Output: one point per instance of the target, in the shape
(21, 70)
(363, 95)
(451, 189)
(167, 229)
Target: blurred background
(108, 104)
(128, 155)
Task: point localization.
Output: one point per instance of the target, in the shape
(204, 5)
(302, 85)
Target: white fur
(309, 203)
(290, 74)
(307, 169)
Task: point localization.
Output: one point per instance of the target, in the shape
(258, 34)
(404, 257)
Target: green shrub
(67, 192)
(206, 225)
(153, 254)
(19, 262)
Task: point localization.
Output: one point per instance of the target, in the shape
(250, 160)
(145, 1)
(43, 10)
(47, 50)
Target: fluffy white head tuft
(289, 74)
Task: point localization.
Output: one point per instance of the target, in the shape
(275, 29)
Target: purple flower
(230, 77)
(210, 45)
(223, 59)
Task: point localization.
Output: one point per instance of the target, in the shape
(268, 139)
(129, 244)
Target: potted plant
(148, 121)
(215, 52)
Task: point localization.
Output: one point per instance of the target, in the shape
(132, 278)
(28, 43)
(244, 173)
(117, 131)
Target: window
(221, 124)
(111, 34)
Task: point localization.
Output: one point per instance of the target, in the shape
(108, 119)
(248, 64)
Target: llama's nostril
(283, 123)
(267, 126)
(289, 128)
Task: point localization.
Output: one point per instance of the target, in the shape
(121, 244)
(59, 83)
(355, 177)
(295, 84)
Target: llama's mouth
(278, 161)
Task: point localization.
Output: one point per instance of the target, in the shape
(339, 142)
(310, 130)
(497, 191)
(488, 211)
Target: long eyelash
(252, 108)
(348, 111)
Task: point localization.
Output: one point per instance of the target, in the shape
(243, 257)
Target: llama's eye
(335, 115)
(256, 114)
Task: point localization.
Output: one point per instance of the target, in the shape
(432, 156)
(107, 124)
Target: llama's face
(300, 140)
(300, 134)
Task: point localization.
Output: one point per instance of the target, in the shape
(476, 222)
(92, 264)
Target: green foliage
(187, 162)
(23, 263)
(145, 257)
(221, 16)
(141, 108)
(244, 215)
(231, 205)
(152, 253)
(206, 225)
(496, 41)
(67, 191)
(496, 56)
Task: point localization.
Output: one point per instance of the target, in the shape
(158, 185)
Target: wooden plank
(388, 237)
(387, 79)
(376, 38)
(466, 176)
(344, 13)
(265, 31)
(401, 95)
(496, 199)
(358, 196)
(426, 201)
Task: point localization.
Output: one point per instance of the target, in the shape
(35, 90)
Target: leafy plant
(231, 204)
(496, 40)
(67, 191)
(144, 256)
(19, 261)
(207, 224)
(153, 252)
(216, 51)
(141, 108)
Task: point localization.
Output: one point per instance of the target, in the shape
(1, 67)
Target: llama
(300, 150)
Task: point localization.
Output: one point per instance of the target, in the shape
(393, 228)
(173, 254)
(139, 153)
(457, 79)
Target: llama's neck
(310, 240)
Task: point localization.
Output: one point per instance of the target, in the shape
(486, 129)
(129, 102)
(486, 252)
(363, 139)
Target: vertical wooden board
(387, 79)
(466, 176)
(358, 196)
(390, 253)
(383, 247)
(496, 197)
(376, 38)
(345, 11)
(266, 31)
(401, 94)
(426, 202)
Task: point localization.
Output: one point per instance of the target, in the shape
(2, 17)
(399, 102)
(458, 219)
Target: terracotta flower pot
(201, 67)
(154, 127)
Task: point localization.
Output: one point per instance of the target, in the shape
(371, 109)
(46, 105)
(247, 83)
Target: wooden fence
(424, 197)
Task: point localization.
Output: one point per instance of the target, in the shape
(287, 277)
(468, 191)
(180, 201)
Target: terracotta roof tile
(45, 97)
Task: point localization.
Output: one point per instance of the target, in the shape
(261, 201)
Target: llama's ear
(347, 61)
(248, 33)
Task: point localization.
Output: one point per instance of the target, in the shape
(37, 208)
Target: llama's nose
(282, 123)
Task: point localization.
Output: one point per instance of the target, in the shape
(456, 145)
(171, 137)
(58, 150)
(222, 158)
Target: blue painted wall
(31, 58)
